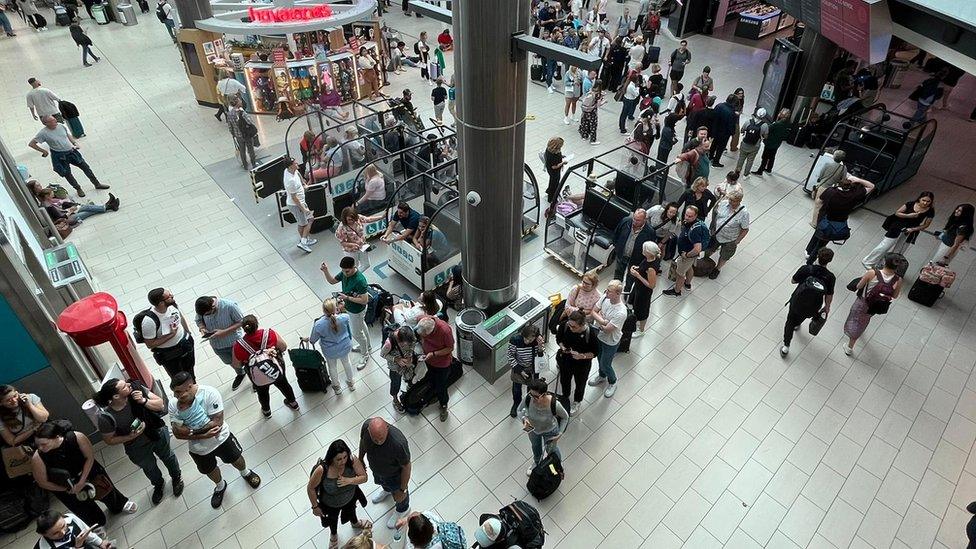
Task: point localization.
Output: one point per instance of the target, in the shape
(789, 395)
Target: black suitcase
(651, 56)
(629, 327)
(312, 380)
(62, 19)
(421, 393)
(143, 6)
(925, 293)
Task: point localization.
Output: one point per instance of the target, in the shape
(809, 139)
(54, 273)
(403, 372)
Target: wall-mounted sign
(289, 15)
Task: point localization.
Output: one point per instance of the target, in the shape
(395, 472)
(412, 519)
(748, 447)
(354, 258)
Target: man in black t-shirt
(837, 204)
(577, 346)
(812, 296)
(388, 454)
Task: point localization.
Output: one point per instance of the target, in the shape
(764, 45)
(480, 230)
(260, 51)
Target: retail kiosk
(293, 54)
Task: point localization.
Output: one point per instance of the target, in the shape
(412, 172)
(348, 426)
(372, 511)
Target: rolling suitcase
(627, 332)
(537, 73)
(310, 370)
(651, 56)
(925, 293)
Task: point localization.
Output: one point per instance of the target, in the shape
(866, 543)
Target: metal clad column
(491, 89)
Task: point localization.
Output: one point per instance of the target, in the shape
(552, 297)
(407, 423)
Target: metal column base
(490, 301)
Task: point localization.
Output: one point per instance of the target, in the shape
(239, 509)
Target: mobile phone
(208, 335)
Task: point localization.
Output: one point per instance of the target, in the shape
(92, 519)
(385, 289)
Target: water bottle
(397, 542)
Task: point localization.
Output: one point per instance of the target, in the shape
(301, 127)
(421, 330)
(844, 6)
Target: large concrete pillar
(491, 88)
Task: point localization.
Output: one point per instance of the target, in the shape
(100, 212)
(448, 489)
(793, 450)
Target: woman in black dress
(645, 275)
(64, 464)
(555, 161)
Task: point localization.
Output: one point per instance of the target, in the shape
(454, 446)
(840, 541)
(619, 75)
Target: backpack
(379, 301)
(545, 477)
(137, 324)
(753, 133)
(248, 130)
(878, 298)
(524, 521)
(262, 366)
(161, 14)
(809, 295)
(450, 535)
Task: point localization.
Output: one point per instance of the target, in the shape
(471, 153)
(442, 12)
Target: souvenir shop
(292, 69)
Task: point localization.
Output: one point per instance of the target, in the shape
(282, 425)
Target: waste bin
(467, 320)
(98, 12)
(127, 15)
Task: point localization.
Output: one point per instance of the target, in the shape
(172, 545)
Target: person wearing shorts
(197, 416)
(692, 237)
(295, 185)
(732, 225)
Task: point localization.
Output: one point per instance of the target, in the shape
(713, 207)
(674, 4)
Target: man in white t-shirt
(165, 331)
(228, 87)
(295, 202)
(609, 315)
(42, 101)
(197, 415)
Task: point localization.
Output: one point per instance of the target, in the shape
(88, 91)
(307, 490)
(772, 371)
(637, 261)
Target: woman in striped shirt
(522, 351)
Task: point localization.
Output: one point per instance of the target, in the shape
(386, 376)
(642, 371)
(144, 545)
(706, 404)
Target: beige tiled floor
(711, 440)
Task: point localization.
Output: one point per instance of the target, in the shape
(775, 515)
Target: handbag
(817, 323)
(520, 374)
(103, 485)
(63, 227)
(852, 285)
(891, 222)
(17, 460)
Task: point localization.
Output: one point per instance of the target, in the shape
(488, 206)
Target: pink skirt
(857, 320)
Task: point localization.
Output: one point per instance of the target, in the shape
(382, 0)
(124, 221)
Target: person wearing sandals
(398, 350)
(333, 490)
(65, 465)
(197, 415)
(544, 419)
(522, 351)
(254, 342)
(334, 336)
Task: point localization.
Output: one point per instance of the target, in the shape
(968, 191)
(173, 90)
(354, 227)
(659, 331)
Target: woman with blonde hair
(374, 191)
(334, 336)
(699, 196)
(554, 161)
(351, 234)
(645, 276)
(584, 295)
(364, 541)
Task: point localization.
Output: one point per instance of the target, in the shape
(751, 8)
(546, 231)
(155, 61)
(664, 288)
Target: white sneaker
(596, 380)
(394, 517)
(567, 120)
(355, 348)
(304, 247)
(130, 507)
(528, 472)
(351, 385)
(848, 350)
(310, 241)
(337, 389)
(551, 90)
(610, 390)
(784, 350)
(594, 143)
(380, 496)
(637, 333)
(362, 365)
(574, 409)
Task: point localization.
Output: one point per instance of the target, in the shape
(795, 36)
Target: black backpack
(248, 130)
(546, 477)
(137, 324)
(753, 133)
(525, 523)
(809, 295)
(160, 14)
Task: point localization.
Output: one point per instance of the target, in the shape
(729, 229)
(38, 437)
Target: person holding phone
(220, 321)
(20, 416)
(131, 415)
(197, 416)
(65, 530)
(354, 296)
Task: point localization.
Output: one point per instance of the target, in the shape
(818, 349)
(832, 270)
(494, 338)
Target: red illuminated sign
(289, 15)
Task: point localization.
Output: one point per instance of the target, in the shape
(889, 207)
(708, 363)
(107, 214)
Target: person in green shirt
(778, 132)
(354, 297)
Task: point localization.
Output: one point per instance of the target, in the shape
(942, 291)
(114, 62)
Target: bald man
(388, 455)
(64, 152)
(628, 242)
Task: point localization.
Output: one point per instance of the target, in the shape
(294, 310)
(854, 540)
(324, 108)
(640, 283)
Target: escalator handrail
(342, 147)
(395, 153)
(430, 227)
(843, 120)
(316, 109)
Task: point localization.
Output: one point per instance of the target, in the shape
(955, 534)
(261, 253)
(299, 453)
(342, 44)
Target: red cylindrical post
(96, 319)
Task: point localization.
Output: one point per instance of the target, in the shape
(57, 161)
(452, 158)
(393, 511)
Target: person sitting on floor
(73, 212)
